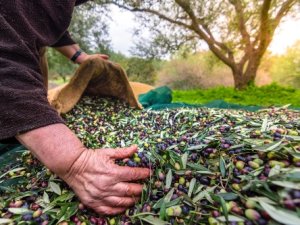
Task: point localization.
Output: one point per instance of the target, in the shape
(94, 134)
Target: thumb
(121, 153)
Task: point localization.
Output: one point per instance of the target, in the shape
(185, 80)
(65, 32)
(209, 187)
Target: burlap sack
(94, 77)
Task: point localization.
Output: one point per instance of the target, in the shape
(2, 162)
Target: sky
(287, 34)
(121, 29)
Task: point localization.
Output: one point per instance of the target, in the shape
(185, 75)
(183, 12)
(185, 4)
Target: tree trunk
(243, 80)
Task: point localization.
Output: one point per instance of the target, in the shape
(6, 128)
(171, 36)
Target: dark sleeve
(23, 100)
(79, 2)
(64, 40)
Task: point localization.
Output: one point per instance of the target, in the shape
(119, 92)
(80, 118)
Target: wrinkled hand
(92, 174)
(101, 184)
(83, 57)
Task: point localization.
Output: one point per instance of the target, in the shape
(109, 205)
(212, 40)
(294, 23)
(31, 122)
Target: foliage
(265, 96)
(238, 32)
(142, 70)
(200, 70)
(285, 69)
(59, 66)
(204, 70)
(119, 58)
(89, 29)
(137, 69)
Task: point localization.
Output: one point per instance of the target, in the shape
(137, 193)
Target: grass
(261, 96)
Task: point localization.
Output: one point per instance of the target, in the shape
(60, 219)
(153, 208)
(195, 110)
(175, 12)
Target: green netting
(158, 96)
(9, 153)
(220, 104)
(161, 98)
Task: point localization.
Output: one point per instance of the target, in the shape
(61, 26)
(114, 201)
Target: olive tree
(89, 28)
(238, 32)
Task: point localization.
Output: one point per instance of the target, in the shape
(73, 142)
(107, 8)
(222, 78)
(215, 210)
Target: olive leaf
(281, 215)
(237, 146)
(12, 171)
(66, 211)
(191, 187)
(169, 196)
(274, 171)
(144, 194)
(197, 147)
(55, 188)
(222, 202)
(269, 147)
(63, 198)
(5, 221)
(159, 203)
(199, 196)
(154, 220)
(294, 138)
(169, 178)
(264, 125)
(162, 211)
(230, 196)
(198, 167)
(231, 218)
(263, 199)
(222, 166)
(184, 159)
(46, 198)
(19, 210)
(287, 184)
(293, 176)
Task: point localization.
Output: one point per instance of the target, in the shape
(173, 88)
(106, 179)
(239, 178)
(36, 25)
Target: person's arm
(68, 47)
(92, 174)
(70, 50)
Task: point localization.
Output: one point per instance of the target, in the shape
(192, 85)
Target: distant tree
(238, 32)
(89, 28)
(59, 66)
(142, 70)
(285, 69)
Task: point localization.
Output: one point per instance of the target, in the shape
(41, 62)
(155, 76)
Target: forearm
(56, 146)
(69, 50)
(99, 183)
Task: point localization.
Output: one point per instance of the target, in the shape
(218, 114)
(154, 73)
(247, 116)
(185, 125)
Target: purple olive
(27, 217)
(252, 214)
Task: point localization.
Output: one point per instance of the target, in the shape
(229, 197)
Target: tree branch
(264, 35)
(241, 20)
(283, 11)
(154, 13)
(268, 25)
(212, 43)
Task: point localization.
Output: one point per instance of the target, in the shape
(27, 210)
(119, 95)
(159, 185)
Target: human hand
(92, 174)
(101, 184)
(83, 57)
